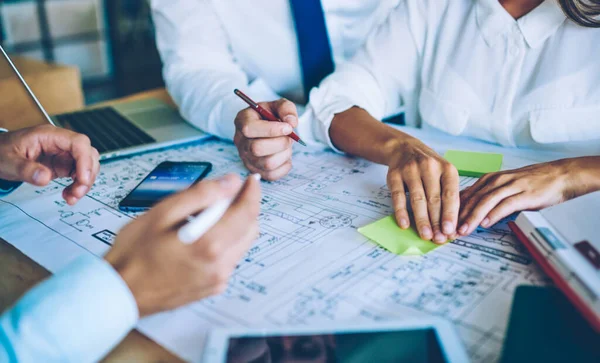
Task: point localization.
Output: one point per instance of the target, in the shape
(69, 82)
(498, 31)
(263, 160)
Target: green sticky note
(403, 242)
(474, 164)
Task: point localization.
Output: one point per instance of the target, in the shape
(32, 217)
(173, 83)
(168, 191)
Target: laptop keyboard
(106, 128)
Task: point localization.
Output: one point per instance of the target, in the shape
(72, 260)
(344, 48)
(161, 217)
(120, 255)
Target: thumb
(286, 111)
(33, 172)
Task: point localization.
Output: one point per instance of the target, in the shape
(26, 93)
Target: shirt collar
(537, 26)
(541, 23)
(493, 21)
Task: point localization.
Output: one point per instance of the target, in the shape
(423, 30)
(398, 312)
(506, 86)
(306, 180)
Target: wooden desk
(18, 273)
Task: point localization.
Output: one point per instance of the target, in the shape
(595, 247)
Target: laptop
(121, 130)
(564, 240)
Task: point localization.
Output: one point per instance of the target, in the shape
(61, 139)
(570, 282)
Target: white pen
(197, 226)
(200, 224)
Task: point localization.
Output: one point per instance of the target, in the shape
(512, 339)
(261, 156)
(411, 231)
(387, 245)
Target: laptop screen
(17, 108)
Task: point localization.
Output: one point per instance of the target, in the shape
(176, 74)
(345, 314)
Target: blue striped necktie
(313, 42)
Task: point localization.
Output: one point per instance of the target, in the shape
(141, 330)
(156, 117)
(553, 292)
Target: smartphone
(166, 179)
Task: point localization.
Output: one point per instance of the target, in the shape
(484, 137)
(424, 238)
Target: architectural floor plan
(309, 263)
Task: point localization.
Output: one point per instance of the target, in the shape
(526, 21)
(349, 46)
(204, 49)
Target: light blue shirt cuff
(78, 315)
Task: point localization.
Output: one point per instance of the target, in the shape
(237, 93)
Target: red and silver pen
(266, 114)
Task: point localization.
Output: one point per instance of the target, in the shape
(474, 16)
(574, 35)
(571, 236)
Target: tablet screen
(420, 345)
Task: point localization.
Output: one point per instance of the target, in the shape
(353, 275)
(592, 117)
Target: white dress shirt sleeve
(77, 315)
(200, 70)
(381, 77)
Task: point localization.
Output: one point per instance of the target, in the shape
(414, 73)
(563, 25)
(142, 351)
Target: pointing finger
(450, 201)
(78, 146)
(396, 186)
(508, 206)
(485, 203)
(265, 129)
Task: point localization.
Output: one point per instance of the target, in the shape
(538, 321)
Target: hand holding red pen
(264, 146)
(265, 113)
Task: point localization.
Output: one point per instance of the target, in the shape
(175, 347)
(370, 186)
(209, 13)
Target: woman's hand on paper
(162, 272)
(433, 185)
(498, 195)
(40, 154)
(264, 146)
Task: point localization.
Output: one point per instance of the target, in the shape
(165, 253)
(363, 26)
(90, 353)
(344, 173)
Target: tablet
(419, 341)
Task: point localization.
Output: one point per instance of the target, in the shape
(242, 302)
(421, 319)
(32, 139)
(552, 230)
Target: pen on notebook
(265, 113)
(197, 226)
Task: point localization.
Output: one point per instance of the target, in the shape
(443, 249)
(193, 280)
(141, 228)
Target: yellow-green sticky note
(403, 242)
(474, 164)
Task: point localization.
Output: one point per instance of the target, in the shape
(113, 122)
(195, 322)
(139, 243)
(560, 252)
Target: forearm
(358, 133)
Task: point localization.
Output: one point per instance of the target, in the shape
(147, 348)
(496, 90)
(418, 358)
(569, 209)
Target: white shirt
(211, 47)
(466, 67)
(78, 315)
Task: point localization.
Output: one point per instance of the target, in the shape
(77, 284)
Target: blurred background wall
(110, 41)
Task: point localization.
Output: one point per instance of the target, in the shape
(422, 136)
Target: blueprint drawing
(309, 265)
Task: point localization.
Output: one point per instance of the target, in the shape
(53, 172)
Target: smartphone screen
(168, 178)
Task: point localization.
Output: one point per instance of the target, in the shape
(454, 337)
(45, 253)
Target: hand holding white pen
(197, 226)
(168, 263)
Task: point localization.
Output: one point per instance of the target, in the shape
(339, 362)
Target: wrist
(397, 146)
(583, 175)
(129, 274)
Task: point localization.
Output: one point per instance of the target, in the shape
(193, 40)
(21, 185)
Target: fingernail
(287, 129)
(37, 176)
(463, 229)
(256, 176)
(439, 238)
(485, 223)
(289, 119)
(404, 223)
(448, 227)
(426, 232)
